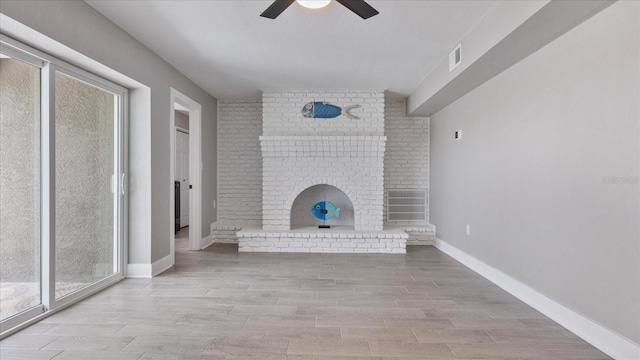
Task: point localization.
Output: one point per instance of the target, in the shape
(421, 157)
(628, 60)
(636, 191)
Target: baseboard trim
(225, 241)
(205, 242)
(147, 271)
(161, 265)
(595, 334)
(139, 270)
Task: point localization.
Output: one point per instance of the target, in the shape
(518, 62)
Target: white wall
(302, 217)
(533, 172)
(78, 26)
(240, 162)
(282, 112)
(406, 160)
(299, 152)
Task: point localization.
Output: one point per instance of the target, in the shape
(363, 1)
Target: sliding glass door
(62, 183)
(86, 159)
(20, 255)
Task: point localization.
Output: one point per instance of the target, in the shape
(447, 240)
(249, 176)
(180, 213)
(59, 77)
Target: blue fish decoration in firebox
(322, 110)
(325, 210)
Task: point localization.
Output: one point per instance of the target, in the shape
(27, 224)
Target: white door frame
(195, 170)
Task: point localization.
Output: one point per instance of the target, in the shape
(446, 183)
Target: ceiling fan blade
(359, 7)
(276, 8)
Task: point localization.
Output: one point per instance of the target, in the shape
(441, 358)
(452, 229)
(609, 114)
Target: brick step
(311, 240)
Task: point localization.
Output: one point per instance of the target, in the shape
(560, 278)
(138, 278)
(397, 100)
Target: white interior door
(182, 174)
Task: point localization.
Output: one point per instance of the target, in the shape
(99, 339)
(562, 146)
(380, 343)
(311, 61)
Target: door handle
(123, 189)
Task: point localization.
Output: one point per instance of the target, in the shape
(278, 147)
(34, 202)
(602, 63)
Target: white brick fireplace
(299, 153)
(353, 164)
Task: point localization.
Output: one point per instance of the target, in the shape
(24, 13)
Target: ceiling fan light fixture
(359, 7)
(313, 4)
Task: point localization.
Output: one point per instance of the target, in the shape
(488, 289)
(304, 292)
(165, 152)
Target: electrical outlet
(468, 230)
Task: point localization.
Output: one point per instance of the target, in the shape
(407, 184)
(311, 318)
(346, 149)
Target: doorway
(182, 170)
(185, 167)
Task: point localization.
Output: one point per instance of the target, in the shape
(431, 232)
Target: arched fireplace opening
(301, 216)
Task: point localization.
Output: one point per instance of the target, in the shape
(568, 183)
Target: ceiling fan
(360, 7)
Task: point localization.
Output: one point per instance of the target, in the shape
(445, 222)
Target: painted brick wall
(301, 152)
(406, 158)
(387, 242)
(406, 161)
(282, 112)
(239, 162)
(359, 177)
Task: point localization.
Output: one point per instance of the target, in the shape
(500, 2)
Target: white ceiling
(233, 53)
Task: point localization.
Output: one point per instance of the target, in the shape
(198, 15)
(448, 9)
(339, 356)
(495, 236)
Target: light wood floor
(221, 304)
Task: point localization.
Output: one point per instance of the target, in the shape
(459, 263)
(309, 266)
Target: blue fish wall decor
(325, 210)
(322, 110)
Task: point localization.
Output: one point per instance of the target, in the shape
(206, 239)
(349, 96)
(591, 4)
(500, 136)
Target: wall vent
(407, 205)
(455, 57)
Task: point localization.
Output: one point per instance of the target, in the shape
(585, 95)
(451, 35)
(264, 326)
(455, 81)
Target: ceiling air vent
(455, 57)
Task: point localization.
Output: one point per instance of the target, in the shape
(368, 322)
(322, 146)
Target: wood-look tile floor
(221, 304)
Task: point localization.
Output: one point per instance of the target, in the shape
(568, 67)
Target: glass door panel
(86, 226)
(62, 184)
(20, 280)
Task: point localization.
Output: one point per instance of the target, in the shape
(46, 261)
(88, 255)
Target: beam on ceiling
(511, 31)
